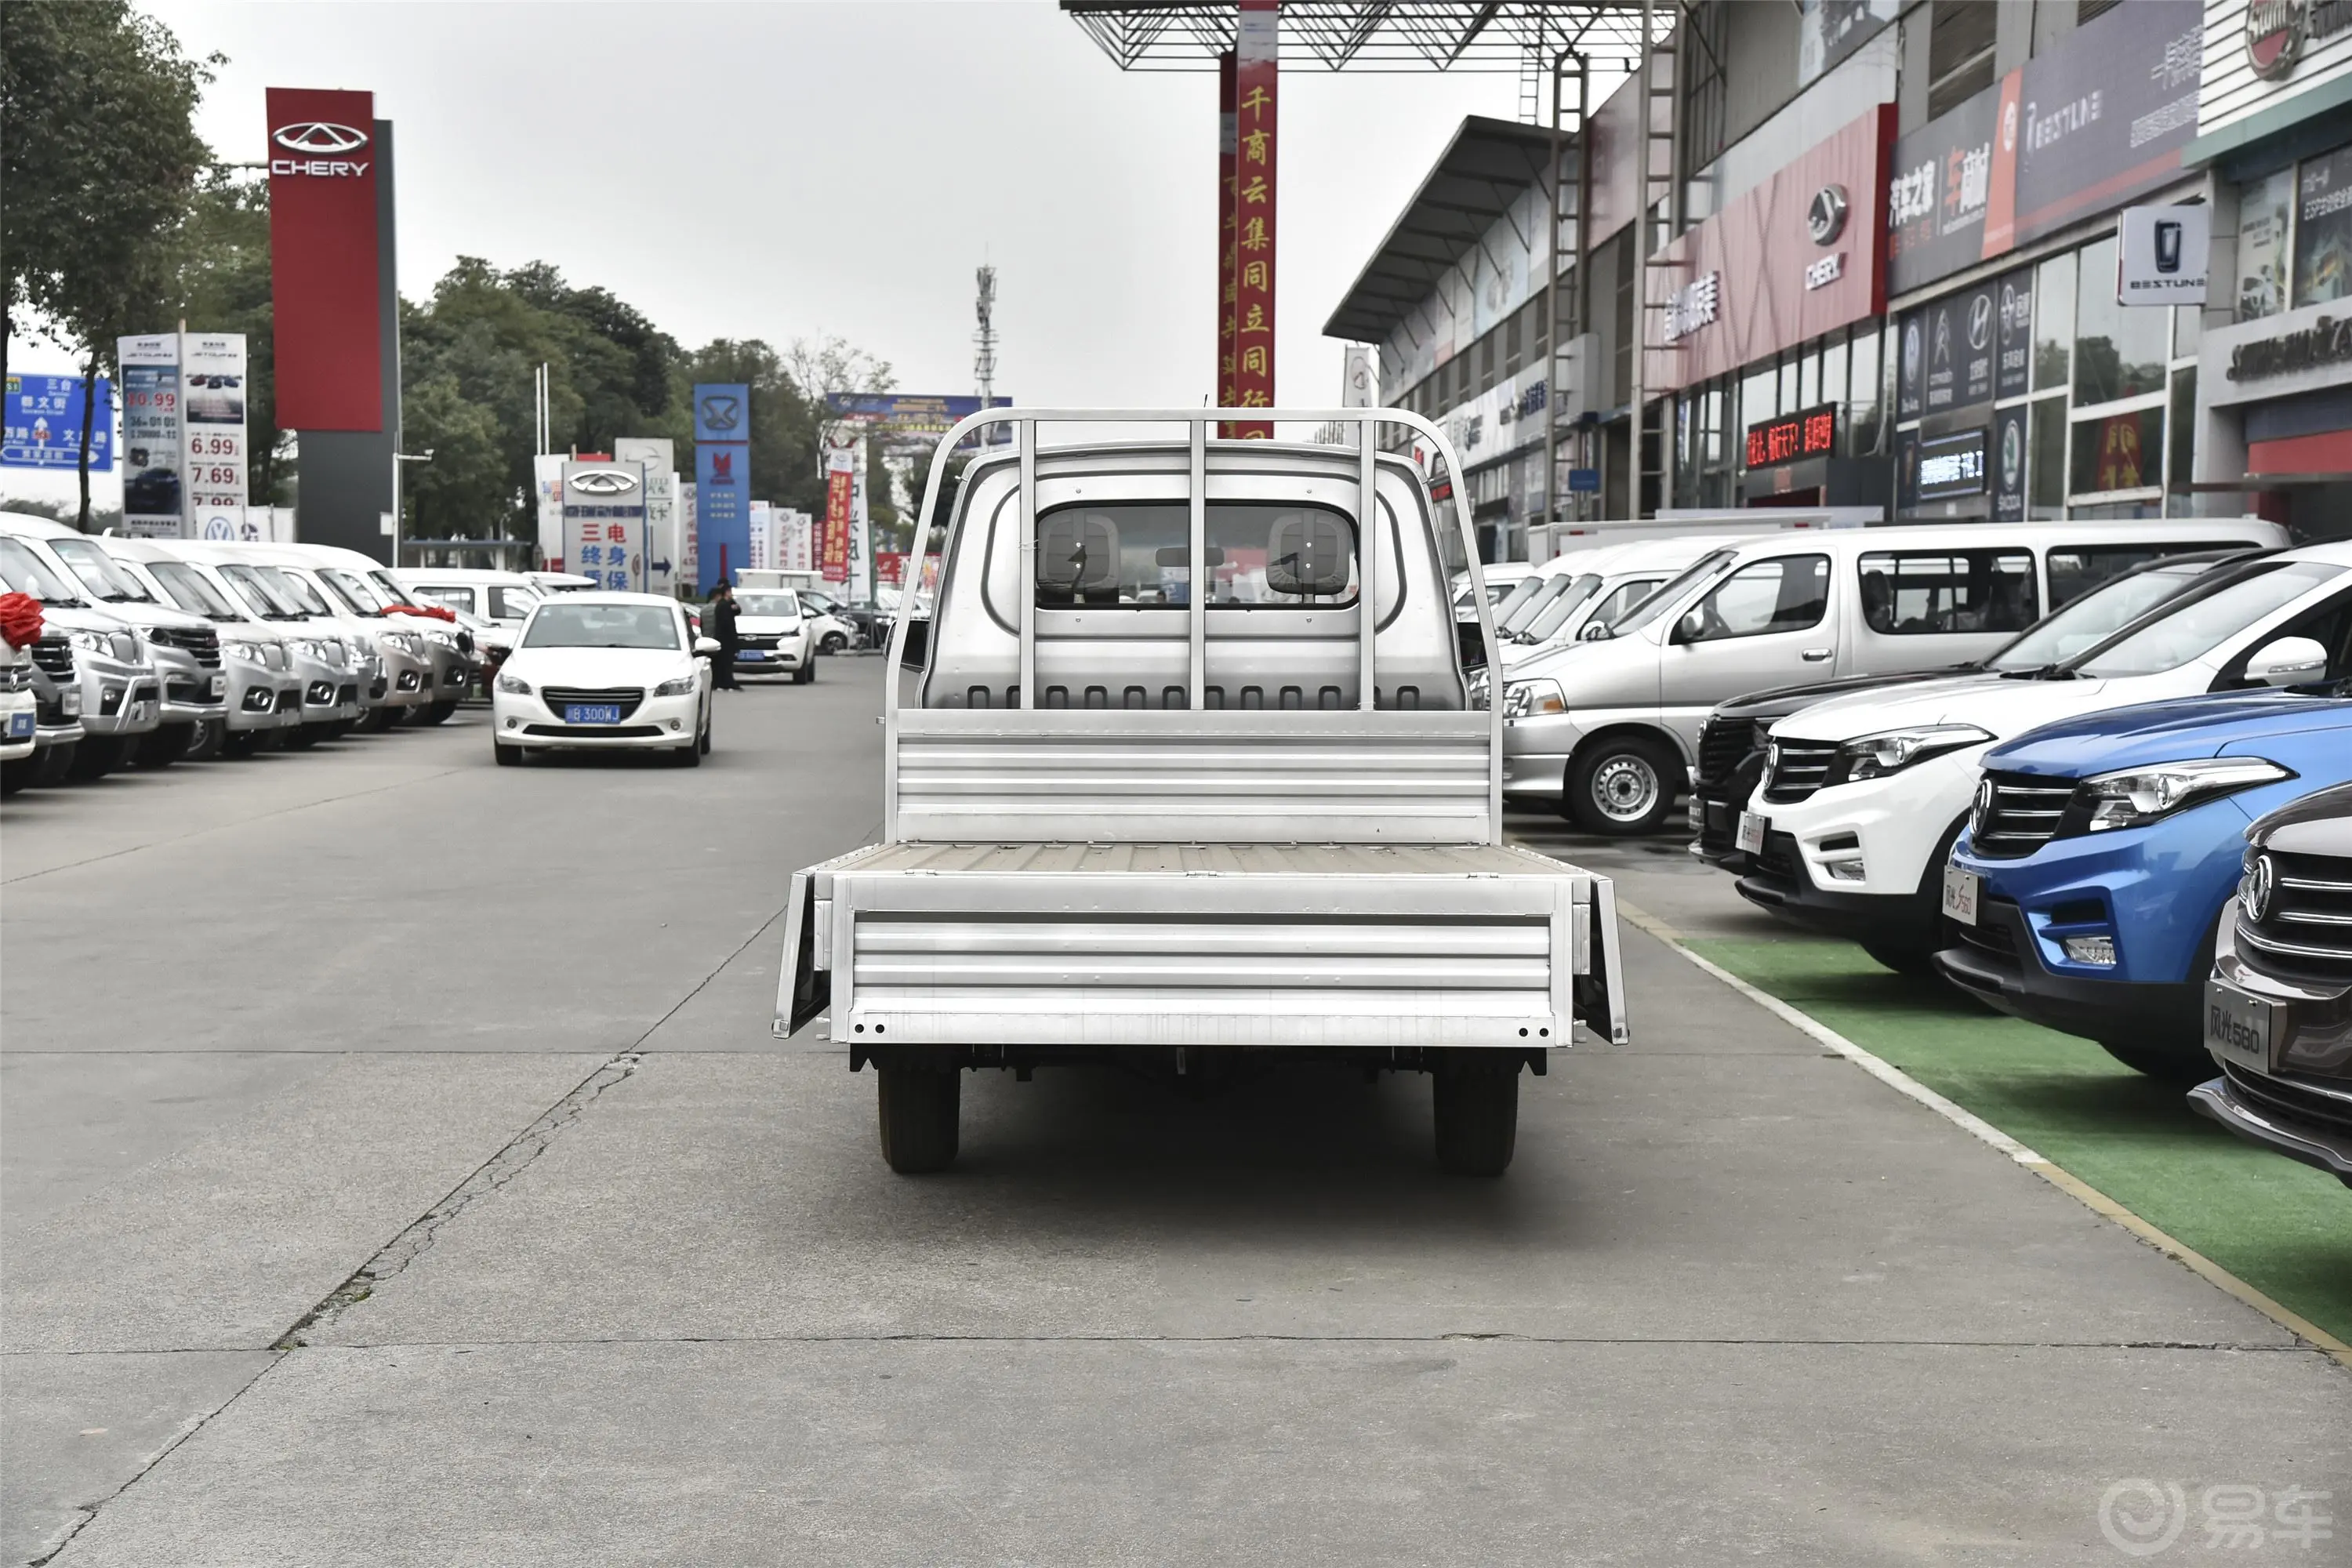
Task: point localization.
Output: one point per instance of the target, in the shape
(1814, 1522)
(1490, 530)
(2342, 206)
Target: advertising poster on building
(2266, 208)
(1948, 349)
(1829, 30)
(604, 523)
(40, 424)
(722, 481)
(211, 408)
(2013, 330)
(2009, 465)
(840, 499)
(152, 443)
(1256, 82)
(889, 567)
(2322, 229)
(2100, 118)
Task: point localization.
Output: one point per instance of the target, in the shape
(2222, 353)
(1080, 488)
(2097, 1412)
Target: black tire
(374, 721)
(53, 765)
(833, 642)
(705, 741)
(242, 742)
(1476, 1094)
(689, 755)
(95, 756)
(1912, 962)
(439, 712)
(509, 755)
(302, 737)
(805, 675)
(163, 745)
(921, 1107)
(16, 775)
(1622, 785)
(2167, 1063)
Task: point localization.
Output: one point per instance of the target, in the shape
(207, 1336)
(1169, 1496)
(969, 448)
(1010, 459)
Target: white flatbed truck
(1128, 820)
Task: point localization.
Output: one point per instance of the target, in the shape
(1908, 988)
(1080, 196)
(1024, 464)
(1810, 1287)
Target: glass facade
(1843, 370)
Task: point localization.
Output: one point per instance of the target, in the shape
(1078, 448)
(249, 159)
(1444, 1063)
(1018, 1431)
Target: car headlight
(251, 652)
(442, 638)
(2131, 797)
(1892, 750)
(405, 641)
(515, 684)
(680, 687)
(89, 642)
(1529, 699)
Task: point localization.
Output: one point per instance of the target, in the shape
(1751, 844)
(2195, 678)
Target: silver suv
(121, 694)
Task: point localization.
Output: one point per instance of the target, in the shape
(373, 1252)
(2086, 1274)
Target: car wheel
(162, 746)
(302, 737)
(2166, 1063)
(833, 642)
(805, 675)
(54, 764)
(439, 712)
(508, 754)
(241, 743)
(16, 775)
(1902, 960)
(1475, 1095)
(689, 755)
(921, 1107)
(705, 741)
(95, 756)
(1622, 785)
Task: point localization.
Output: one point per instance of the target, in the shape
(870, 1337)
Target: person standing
(730, 641)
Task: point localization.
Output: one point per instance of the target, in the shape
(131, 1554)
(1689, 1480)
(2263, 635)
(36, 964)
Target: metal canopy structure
(1474, 182)
(1369, 35)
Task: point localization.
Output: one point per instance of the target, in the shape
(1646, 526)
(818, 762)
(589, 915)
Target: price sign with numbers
(213, 379)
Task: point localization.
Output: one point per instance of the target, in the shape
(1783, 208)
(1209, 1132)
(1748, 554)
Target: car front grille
(2017, 813)
(1797, 769)
(610, 731)
(55, 656)
(2283, 1096)
(190, 692)
(627, 697)
(16, 678)
(203, 642)
(2307, 930)
(1723, 745)
(1993, 931)
(762, 641)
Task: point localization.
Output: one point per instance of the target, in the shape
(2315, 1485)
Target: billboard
(659, 456)
(722, 481)
(1256, 81)
(152, 443)
(40, 424)
(322, 259)
(2099, 119)
(213, 385)
(840, 487)
(604, 523)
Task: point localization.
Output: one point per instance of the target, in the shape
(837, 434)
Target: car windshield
(388, 588)
(1554, 616)
(2201, 619)
(814, 602)
(191, 592)
(781, 606)
(1670, 593)
(101, 572)
(2095, 616)
(602, 625)
(1506, 603)
(351, 590)
(1548, 593)
(27, 573)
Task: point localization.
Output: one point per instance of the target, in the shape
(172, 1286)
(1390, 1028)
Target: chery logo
(316, 137)
(604, 482)
(319, 136)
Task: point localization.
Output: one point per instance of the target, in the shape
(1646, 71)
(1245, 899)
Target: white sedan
(602, 671)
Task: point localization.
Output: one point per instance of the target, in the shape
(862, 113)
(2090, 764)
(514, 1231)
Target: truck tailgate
(1231, 944)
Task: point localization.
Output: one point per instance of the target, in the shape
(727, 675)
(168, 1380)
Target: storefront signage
(604, 523)
(722, 482)
(1948, 350)
(1812, 434)
(2162, 256)
(1797, 256)
(2013, 335)
(323, 260)
(2008, 466)
(2326, 341)
(1945, 467)
(2097, 120)
(2278, 31)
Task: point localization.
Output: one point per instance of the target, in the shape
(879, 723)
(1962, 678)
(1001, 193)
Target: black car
(1731, 742)
(2278, 1010)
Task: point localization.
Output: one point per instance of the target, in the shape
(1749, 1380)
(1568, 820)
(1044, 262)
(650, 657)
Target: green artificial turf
(2282, 1226)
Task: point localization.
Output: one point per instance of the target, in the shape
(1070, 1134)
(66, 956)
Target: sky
(788, 170)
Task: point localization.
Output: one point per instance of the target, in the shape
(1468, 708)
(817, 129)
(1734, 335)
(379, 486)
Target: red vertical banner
(322, 259)
(1256, 76)
(840, 496)
(1226, 285)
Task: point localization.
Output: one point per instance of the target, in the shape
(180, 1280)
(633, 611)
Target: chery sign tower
(335, 294)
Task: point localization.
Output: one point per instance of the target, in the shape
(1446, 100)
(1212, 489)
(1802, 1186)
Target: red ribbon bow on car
(20, 619)
(438, 612)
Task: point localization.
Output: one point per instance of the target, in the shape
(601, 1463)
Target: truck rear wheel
(921, 1107)
(1621, 785)
(1476, 1096)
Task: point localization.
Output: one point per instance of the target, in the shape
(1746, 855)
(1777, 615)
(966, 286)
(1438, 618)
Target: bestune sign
(2162, 257)
(322, 259)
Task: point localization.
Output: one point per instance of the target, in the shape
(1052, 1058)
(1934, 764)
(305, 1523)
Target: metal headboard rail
(1198, 422)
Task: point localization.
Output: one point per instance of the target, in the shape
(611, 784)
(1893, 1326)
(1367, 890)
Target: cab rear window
(1137, 555)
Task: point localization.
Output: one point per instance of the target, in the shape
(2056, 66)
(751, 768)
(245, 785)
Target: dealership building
(1945, 260)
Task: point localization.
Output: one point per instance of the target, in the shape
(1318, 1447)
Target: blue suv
(2085, 891)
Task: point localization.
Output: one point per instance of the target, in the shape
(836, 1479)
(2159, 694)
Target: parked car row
(2131, 823)
(151, 650)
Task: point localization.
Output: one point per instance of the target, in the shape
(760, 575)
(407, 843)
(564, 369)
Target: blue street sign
(42, 417)
(1583, 480)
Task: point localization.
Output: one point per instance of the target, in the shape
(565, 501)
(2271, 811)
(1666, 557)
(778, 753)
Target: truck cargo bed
(1386, 945)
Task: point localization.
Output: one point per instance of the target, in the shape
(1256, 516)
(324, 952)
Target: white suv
(1862, 796)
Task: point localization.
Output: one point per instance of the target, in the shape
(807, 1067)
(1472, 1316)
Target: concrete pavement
(637, 1287)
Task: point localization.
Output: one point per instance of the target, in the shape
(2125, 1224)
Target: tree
(98, 166)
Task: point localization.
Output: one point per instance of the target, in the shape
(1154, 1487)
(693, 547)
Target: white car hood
(2001, 707)
(767, 626)
(646, 667)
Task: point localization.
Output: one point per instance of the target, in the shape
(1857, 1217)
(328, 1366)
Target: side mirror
(706, 647)
(919, 646)
(2290, 661)
(1595, 631)
(1688, 628)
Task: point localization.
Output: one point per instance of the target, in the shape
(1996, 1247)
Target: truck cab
(1187, 766)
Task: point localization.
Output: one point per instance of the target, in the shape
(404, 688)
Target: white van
(1607, 730)
(504, 597)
